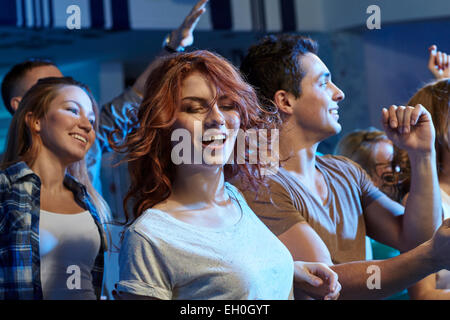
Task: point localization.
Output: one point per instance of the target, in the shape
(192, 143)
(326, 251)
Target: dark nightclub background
(118, 38)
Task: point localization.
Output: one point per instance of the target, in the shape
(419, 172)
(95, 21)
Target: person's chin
(75, 157)
(338, 128)
(333, 130)
(217, 161)
(216, 157)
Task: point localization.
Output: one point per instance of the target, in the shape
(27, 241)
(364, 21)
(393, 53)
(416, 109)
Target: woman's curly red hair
(147, 146)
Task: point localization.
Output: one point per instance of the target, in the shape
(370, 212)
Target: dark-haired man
(22, 77)
(322, 207)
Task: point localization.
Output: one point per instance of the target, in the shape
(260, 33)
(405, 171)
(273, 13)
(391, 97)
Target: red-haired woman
(192, 235)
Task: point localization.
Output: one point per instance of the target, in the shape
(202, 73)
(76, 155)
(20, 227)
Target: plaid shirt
(20, 272)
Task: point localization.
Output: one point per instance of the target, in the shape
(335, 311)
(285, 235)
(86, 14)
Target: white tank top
(68, 244)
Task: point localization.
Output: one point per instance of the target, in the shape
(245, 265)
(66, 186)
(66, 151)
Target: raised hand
(179, 38)
(410, 128)
(439, 63)
(183, 35)
(316, 280)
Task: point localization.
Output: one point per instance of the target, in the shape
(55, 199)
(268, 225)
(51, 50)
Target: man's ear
(33, 123)
(283, 100)
(15, 103)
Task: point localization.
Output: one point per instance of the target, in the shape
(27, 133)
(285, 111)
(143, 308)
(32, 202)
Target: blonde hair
(359, 146)
(22, 141)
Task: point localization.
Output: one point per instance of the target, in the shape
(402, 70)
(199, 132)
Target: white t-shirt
(68, 246)
(443, 276)
(165, 258)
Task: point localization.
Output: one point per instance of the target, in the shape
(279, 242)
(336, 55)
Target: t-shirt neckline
(64, 214)
(231, 194)
(318, 166)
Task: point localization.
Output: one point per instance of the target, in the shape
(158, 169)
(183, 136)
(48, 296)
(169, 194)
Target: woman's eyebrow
(224, 97)
(203, 101)
(80, 107)
(197, 99)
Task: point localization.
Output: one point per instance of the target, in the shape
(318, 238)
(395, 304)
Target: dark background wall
(374, 68)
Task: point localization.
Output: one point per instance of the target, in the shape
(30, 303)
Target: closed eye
(191, 109)
(73, 110)
(228, 107)
(324, 78)
(194, 106)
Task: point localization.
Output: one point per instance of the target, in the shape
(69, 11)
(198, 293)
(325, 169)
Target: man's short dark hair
(11, 84)
(273, 64)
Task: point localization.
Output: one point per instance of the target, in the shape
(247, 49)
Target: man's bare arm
(396, 274)
(411, 129)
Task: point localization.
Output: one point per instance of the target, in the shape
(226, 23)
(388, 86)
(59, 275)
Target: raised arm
(178, 39)
(410, 128)
(119, 112)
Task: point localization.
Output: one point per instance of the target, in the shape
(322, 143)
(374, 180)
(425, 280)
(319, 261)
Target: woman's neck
(50, 171)
(196, 184)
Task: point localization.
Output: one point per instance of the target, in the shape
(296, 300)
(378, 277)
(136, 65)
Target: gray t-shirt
(165, 258)
(339, 221)
(68, 246)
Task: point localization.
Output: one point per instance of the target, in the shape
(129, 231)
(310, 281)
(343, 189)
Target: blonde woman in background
(386, 165)
(52, 241)
(436, 98)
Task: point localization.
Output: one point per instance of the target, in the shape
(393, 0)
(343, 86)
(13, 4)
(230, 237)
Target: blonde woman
(51, 234)
(435, 97)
